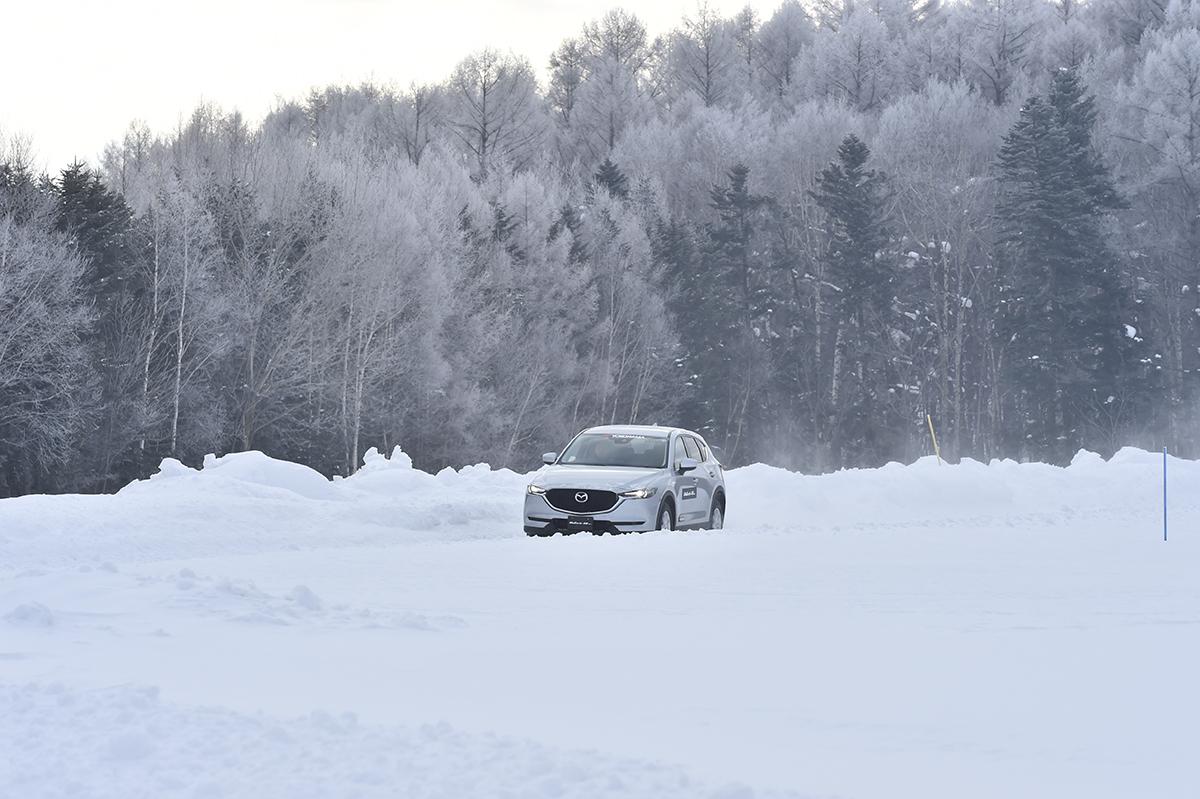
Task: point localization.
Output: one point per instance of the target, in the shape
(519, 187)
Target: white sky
(75, 73)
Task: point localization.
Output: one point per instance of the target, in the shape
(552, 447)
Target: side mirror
(549, 457)
(688, 464)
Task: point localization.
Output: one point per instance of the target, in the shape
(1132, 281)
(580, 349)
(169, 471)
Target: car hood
(609, 478)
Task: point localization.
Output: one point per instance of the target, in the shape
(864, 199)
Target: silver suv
(627, 478)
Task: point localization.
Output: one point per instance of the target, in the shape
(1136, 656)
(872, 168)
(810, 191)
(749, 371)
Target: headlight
(639, 493)
(532, 489)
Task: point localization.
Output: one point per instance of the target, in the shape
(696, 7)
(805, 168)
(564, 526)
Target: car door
(693, 502)
(707, 476)
(713, 470)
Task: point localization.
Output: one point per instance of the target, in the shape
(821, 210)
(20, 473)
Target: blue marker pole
(1164, 493)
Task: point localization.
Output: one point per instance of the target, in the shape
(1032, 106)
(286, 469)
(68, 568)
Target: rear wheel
(666, 516)
(716, 519)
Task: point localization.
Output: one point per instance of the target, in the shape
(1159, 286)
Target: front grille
(599, 527)
(581, 500)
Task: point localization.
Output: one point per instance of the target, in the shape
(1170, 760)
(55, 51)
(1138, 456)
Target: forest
(801, 234)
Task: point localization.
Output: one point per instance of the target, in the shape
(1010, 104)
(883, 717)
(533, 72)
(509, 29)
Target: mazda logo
(581, 497)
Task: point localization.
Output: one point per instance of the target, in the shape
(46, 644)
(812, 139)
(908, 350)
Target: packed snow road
(251, 630)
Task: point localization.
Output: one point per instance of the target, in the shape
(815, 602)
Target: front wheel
(666, 517)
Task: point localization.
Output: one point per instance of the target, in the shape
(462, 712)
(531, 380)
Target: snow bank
(248, 502)
(929, 493)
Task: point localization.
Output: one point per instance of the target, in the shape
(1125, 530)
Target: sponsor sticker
(689, 493)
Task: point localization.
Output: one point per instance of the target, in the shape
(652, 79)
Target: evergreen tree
(100, 226)
(731, 242)
(675, 254)
(569, 220)
(98, 222)
(610, 177)
(1060, 323)
(1076, 113)
(724, 312)
(504, 227)
(859, 262)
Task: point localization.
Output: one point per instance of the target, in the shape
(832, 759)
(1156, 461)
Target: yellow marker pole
(933, 437)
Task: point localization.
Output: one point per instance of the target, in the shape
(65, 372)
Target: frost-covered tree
(194, 313)
(1161, 125)
(781, 38)
(938, 148)
(704, 57)
(419, 115)
(48, 384)
(600, 84)
(856, 64)
(494, 110)
(1003, 34)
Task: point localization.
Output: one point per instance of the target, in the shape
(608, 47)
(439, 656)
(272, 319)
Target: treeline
(800, 235)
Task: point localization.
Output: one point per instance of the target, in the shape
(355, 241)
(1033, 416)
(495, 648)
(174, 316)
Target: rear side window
(693, 450)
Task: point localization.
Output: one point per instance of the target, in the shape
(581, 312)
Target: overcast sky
(75, 73)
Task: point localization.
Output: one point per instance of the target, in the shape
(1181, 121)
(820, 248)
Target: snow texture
(250, 629)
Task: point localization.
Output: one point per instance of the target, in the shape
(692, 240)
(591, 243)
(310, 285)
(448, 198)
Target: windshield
(613, 449)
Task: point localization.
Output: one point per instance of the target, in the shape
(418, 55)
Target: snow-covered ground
(253, 630)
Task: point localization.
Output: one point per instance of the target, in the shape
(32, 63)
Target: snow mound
(373, 461)
(387, 476)
(257, 469)
(246, 473)
(304, 596)
(30, 614)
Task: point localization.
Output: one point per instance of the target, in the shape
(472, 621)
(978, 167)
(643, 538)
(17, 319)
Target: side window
(689, 444)
(703, 450)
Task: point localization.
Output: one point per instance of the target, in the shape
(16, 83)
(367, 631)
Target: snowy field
(253, 630)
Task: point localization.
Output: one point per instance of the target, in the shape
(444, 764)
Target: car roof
(637, 430)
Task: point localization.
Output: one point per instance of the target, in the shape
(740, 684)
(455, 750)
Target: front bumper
(628, 516)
